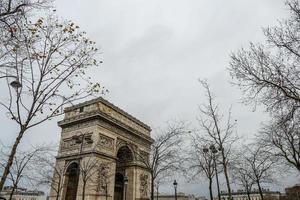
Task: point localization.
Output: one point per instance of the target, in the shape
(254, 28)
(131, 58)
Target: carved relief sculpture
(103, 179)
(69, 143)
(144, 185)
(106, 142)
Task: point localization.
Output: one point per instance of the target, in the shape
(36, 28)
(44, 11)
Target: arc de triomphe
(98, 153)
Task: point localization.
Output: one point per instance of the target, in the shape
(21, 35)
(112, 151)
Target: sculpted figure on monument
(103, 178)
(144, 185)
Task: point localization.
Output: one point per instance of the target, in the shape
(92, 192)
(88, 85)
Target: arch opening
(124, 157)
(71, 180)
(119, 186)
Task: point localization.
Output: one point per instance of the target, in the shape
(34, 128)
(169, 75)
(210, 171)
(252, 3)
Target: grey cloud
(154, 52)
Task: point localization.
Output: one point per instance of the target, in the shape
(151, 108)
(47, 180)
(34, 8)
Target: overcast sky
(154, 52)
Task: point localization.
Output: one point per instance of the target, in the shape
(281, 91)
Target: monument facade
(99, 154)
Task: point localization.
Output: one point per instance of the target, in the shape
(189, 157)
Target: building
(254, 195)
(180, 196)
(292, 193)
(22, 194)
(98, 131)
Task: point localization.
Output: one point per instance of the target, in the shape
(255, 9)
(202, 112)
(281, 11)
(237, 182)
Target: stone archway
(71, 181)
(124, 158)
(117, 138)
(119, 186)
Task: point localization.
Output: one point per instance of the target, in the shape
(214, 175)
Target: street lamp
(214, 151)
(125, 186)
(175, 188)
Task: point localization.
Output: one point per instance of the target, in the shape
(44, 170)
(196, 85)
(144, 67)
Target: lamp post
(175, 188)
(214, 151)
(125, 186)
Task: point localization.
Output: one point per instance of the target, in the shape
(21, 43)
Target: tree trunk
(260, 190)
(248, 194)
(210, 189)
(83, 190)
(226, 176)
(11, 158)
(152, 187)
(57, 196)
(12, 192)
(157, 192)
(298, 166)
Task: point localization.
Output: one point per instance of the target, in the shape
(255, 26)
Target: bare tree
(50, 174)
(51, 73)
(218, 131)
(12, 16)
(165, 153)
(268, 74)
(88, 168)
(242, 174)
(282, 138)
(261, 166)
(23, 166)
(10, 8)
(201, 162)
(105, 174)
(161, 179)
(158, 182)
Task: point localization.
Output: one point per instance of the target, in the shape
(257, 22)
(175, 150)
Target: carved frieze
(70, 144)
(67, 144)
(106, 142)
(139, 139)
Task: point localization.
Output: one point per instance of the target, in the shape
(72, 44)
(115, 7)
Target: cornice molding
(102, 116)
(75, 156)
(107, 103)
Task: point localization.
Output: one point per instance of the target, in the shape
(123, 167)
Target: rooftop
(255, 191)
(107, 103)
(22, 191)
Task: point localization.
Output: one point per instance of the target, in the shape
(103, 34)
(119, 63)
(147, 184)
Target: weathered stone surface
(111, 129)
